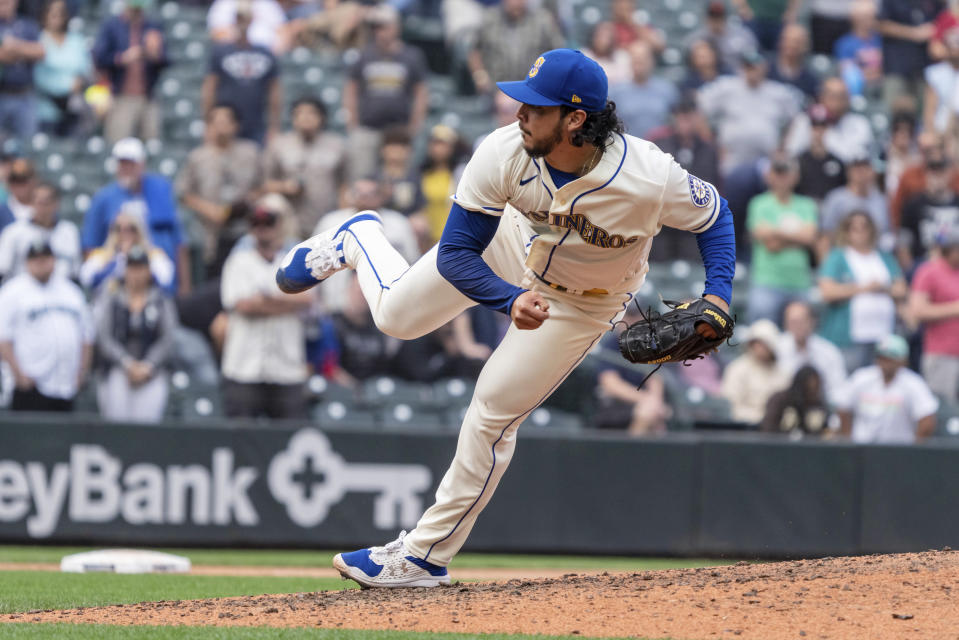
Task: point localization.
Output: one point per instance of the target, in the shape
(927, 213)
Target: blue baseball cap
(561, 77)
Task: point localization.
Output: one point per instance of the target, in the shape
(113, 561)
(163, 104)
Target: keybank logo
(308, 478)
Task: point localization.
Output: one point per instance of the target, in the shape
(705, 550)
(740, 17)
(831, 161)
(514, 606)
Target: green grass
(300, 558)
(98, 632)
(27, 590)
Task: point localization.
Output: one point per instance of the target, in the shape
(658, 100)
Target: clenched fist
(529, 310)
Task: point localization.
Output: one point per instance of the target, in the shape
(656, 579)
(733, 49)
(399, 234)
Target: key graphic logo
(309, 478)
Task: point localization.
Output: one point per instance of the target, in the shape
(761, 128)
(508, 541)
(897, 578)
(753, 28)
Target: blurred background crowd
(159, 159)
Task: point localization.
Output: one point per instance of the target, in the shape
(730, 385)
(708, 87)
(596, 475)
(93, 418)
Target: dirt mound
(873, 597)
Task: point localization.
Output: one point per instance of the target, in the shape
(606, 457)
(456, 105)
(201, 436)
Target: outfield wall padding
(217, 484)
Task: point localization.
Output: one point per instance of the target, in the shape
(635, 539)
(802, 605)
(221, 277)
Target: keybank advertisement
(168, 484)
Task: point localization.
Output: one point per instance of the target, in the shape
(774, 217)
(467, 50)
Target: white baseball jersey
(886, 413)
(595, 232)
(64, 239)
(48, 325)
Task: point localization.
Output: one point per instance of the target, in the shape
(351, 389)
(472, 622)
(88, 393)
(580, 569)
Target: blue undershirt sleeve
(460, 259)
(717, 246)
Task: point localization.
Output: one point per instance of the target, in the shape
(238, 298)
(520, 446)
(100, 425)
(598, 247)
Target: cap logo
(575, 99)
(536, 65)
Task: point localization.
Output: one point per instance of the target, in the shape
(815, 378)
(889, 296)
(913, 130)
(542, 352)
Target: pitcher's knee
(397, 326)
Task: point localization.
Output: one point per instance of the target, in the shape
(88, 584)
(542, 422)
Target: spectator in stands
(131, 51)
(264, 360)
(644, 103)
(887, 403)
(800, 409)
(135, 326)
(339, 23)
(21, 186)
(820, 170)
(154, 196)
(947, 19)
(766, 18)
(748, 111)
(939, 107)
(902, 152)
(791, 65)
(907, 27)
(860, 193)
(628, 30)
(702, 66)
(245, 76)
(511, 36)
(935, 302)
(36, 306)
(350, 347)
(927, 214)
(217, 183)
(63, 73)
(860, 285)
(847, 135)
(107, 263)
(307, 165)
(624, 405)
(19, 51)
(45, 225)
(686, 142)
(397, 170)
(752, 378)
(613, 59)
(912, 181)
(258, 22)
(859, 52)
(444, 157)
(828, 21)
(783, 229)
(386, 88)
(799, 346)
(730, 39)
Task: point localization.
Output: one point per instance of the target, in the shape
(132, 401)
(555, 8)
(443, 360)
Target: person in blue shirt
(19, 50)
(156, 194)
(859, 52)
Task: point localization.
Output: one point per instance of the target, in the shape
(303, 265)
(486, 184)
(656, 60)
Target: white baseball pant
(410, 301)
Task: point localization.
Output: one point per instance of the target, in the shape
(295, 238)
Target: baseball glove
(676, 335)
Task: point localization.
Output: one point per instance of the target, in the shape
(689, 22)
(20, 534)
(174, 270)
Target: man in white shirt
(799, 345)
(887, 403)
(46, 334)
(45, 225)
(264, 356)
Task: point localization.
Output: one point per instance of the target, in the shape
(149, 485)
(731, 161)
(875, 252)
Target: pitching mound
(875, 597)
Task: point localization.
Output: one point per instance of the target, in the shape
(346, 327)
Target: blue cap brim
(521, 92)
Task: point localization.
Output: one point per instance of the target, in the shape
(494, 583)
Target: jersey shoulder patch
(699, 192)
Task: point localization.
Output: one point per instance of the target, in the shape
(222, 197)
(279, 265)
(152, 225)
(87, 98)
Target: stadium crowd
(830, 126)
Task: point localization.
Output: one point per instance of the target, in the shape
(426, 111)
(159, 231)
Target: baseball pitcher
(551, 224)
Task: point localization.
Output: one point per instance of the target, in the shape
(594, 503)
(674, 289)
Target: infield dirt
(865, 598)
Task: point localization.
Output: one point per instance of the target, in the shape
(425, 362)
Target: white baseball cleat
(316, 259)
(389, 567)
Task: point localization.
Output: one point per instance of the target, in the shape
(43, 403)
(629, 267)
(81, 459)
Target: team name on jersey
(589, 232)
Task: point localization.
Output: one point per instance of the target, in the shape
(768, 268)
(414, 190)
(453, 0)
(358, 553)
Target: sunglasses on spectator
(19, 178)
(263, 222)
(125, 228)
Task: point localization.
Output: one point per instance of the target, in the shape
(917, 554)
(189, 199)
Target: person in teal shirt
(860, 285)
(782, 226)
(63, 73)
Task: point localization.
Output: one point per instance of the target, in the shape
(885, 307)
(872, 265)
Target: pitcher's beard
(544, 147)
